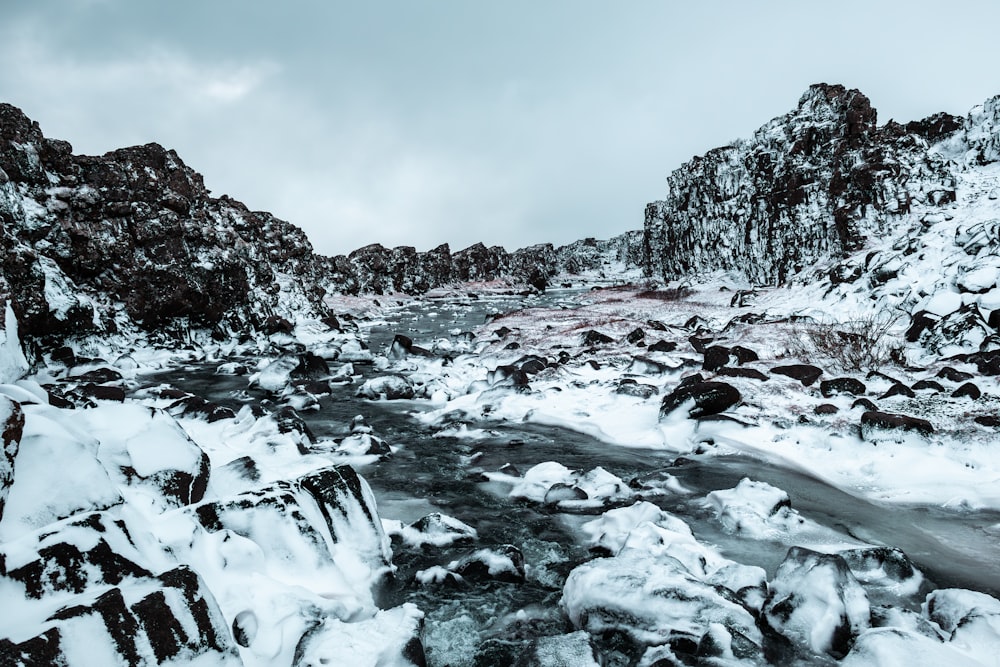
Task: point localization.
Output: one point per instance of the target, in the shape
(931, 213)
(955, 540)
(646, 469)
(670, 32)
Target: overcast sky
(422, 122)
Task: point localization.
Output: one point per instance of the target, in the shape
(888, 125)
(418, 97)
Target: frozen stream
(430, 473)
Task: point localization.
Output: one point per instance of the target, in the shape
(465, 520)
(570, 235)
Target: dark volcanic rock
(898, 389)
(953, 375)
(968, 390)
(849, 386)
(169, 618)
(593, 337)
(873, 421)
(804, 373)
(635, 336)
(709, 398)
(716, 357)
(662, 346)
(743, 355)
(630, 387)
(927, 385)
(749, 373)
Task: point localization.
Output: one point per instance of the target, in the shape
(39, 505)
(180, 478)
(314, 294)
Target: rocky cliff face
(807, 186)
(132, 240)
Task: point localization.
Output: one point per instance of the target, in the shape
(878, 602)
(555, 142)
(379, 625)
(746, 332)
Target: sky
(421, 122)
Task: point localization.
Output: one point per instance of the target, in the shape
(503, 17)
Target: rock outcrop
(132, 240)
(806, 187)
(377, 269)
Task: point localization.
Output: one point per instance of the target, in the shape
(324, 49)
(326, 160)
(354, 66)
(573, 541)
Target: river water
(490, 623)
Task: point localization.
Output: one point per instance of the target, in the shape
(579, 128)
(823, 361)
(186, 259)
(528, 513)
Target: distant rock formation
(809, 186)
(375, 268)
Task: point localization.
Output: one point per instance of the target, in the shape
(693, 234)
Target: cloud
(99, 101)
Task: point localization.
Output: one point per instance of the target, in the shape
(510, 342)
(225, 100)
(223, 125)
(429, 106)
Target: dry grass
(860, 344)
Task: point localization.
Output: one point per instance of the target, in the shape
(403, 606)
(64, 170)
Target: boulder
(654, 600)
(873, 422)
(898, 389)
(705, 398)
(504, 563)
(807, 374)
(927, 385)
(967, 390)
(816, 602)
(629, 387)
(953, 375)
(743, 355)
(170, 618)
(845, 385)
(739, 372)
(592, 337)
(386, 387)
(636, 336)
(716, 357)
(507, 376)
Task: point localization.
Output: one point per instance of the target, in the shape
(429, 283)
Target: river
(429, 473)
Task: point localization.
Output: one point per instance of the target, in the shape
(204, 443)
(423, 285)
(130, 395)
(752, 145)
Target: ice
(13, 364)
(894, 647)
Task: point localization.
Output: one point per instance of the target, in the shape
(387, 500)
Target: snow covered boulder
(363, 442)
(42, 492)
(323, 526)
(91, 551)
(845, 385)
(875, 423)
(391, 638)
(899, 647)
(816, 602)
(700, 399)
(142, 446)
(507, 376)
(402, 347)
(199, 408)
(387, 387)
(885, 568)
(970, 620)
(276, 374)
(554, 484)
(171, 618)
(755, 509)
(503, 563)
(654, 600)
(11, 427)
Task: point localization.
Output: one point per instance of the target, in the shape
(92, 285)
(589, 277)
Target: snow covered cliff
(807, 186)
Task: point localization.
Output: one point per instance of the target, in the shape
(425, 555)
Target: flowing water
(430, 473)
